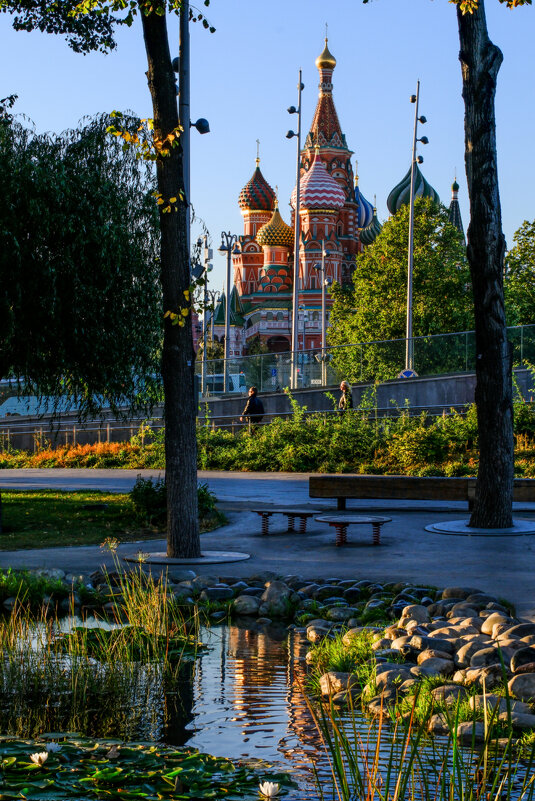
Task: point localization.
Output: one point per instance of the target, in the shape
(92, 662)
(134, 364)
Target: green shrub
(149, 498)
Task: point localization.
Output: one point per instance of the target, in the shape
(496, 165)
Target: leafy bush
(149, 498)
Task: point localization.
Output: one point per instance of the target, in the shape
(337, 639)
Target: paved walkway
(501, 565)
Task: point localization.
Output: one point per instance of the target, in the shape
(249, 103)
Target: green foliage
(149, 499)
(85, 769)
(374, 308)
(519, 279)
(80, 308)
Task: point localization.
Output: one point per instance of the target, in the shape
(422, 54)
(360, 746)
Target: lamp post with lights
(295, 295)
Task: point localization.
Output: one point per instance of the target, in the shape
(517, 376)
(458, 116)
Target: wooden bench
(407, 488)
(291, 514)
(340, 524)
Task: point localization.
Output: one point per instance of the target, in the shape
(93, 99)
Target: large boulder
(449, 694)
(522, 657)
(275, 601)
(522, 686)
(336, 682)
(247, 605)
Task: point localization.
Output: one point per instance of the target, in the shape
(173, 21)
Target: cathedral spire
(455, 209)
(325, 130)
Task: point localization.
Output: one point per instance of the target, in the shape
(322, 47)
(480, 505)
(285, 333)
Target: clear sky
(245, 76)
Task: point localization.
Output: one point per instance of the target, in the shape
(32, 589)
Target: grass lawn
(46, 518)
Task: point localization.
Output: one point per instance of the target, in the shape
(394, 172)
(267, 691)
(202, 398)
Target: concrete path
(501, 565)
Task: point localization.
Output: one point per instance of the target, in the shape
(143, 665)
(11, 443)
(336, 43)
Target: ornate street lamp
(228, 242)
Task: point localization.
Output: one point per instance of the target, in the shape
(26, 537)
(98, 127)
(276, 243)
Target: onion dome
(369, 234)
(326, 61)
(365, 209)
(257, 195)
(276, 232)
(319, 190)
(454, 209)
(400, 194)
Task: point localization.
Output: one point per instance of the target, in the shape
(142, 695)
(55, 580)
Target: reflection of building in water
(308, 747)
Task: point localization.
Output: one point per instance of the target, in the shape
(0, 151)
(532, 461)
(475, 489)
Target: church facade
(334, 216)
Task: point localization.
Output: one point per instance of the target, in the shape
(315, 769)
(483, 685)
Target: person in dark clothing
(346, 401)
(254, 410)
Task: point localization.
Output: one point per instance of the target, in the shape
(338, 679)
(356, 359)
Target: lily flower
(269, 789)
(52, 747)
(39, 759)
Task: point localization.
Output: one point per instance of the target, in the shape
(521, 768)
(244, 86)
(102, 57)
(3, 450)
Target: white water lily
(40, 758)
(269, 789)
(52, 747)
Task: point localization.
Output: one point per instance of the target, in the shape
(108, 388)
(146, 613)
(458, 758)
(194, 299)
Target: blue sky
(245, 76)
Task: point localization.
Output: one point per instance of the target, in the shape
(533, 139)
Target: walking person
(346, 400)
(254, 410)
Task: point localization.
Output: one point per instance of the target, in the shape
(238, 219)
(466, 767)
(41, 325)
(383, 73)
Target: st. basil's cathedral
(333, 212)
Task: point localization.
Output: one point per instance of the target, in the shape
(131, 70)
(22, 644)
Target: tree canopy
(519, 284)
(80, 306)
(374, 307)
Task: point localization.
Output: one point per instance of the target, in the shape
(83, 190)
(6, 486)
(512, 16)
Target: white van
(215, 384)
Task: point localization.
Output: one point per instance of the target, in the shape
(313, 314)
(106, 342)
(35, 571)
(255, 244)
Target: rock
(381, 644)
(400, 641)
(356, 631)
(522, 657)
(392, 674)
(466, 652)
(202, 582)
(415, 612)
(461, 610)
(434, 643)
(220, 615)
(449, 694)
(246, 605)
(10, 603)
(73, 601)
(263, 577)
(429, 653)
(471, 732)
(459, 676)
(178, 574)
(485, 657)
(522, 686)
(437, 667)
(325, 591)
(389, 654)
(336, 682)
(353, 594)
(275, 599)
(519, 720)
(350, 697)
(477, 702)
(317, 634)
(217, 594)
(491, 676)
(256, 592)
(438, 724)
(54, 573)
(490, 621)
(264, 621)
(529, 668)
(335, 601)
(471, 623)
(481, 598)
(340, 615)
(459, 592)
(521, 630)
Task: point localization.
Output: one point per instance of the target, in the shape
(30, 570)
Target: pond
(240, 698)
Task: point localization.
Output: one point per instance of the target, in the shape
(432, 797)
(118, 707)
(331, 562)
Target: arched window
(269, 316)
(280, 317)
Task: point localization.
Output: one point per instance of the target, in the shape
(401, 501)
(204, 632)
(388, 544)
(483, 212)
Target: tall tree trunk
(480, 61)
(178, 359)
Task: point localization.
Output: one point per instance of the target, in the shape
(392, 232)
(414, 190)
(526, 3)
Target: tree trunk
(178, 358)
(480, 61)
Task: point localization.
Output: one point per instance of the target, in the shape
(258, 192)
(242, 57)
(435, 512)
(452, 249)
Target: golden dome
(276, 232)
(326, 60)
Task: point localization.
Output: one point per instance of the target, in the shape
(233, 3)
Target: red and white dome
(319, 190)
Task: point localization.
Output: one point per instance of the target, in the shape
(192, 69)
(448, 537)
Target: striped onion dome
(319, 190)
(400, 194)
(364, 209)
(257, 195)
(276, 232)
(369, 234)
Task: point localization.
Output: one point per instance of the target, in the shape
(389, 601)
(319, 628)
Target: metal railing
(362, 362)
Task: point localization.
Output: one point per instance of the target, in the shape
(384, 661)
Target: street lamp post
(208, 254)
(304, 315)
(324, 283)
(227, 242)
(409, 343)
(214, 298)
(295, 296)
